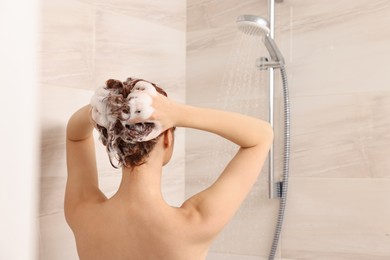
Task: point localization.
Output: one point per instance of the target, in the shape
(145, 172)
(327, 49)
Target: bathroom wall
(336, 54)
(337, 57)
(84, 43)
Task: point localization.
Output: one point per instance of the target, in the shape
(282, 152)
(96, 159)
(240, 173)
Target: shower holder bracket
(263, 63)
(279, 189)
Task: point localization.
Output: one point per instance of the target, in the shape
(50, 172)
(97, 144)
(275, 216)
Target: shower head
(252, 24)
(256, 25)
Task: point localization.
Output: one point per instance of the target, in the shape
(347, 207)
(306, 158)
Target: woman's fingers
(138, 108)
(140, 101)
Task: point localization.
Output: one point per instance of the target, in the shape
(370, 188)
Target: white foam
(140, 105)
(145, 86)
(99, 107)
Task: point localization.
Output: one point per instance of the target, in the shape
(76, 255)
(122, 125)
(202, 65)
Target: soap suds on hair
(121, 112)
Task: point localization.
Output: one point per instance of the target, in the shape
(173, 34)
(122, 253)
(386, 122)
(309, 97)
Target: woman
(137, 126)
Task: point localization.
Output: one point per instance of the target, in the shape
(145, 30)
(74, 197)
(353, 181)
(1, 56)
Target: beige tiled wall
(84, 43)
(337, 60)
(337, 56)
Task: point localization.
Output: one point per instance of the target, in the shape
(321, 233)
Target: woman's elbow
(267, 135)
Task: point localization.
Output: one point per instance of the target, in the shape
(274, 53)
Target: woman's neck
(141, 184)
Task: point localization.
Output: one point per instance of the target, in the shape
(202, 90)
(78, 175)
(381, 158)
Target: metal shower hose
(283, 198)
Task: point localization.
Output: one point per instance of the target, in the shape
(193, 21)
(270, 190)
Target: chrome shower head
(252, 24)
(256, 25)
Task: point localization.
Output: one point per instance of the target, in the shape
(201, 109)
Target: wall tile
(339, 135)
(127, 46)
(333, 39)
(84, 43)
(57, 106)
(215, 22)
(332, 48)
(52, 195)
(56, 238)
(66, 50)
(255, 220)
(207, 14)
(215, 51)
(338, 100)
(214, 71)
(374, 132)
(171, 13)
(325, 134)
(337, 219)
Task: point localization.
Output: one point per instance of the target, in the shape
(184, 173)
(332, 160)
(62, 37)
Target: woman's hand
(149, 106)
(165, 111)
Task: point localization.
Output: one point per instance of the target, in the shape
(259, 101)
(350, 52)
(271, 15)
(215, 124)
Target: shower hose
(283, 188)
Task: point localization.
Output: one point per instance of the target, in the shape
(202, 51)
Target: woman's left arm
(82, 183)
(80, 125)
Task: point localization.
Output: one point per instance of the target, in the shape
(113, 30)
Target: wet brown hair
(118, 137)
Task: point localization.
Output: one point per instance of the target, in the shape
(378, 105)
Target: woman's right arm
(242, 130)
(217, 204)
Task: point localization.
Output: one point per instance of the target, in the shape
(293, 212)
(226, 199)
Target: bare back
(111, 230)
(125, 227)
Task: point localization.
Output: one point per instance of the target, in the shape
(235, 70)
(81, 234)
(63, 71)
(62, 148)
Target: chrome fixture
(259, 26)
(256, 25)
